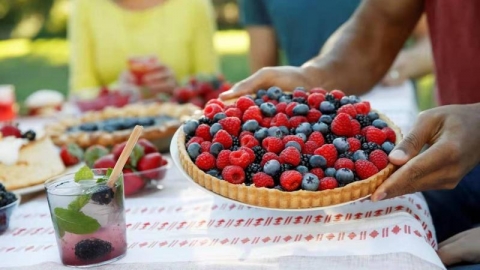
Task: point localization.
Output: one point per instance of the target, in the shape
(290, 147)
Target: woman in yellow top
(105, 34)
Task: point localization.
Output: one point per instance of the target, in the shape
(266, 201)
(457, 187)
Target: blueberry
(300, 100)
(92, 249)
(327, 107)
(344, 176)
(285, 99)
(359, 154)
(388, 147)
(321, 127)
(302, 169)
(272, 167)
(261, 93)
(354, 99)
(146, 121)
(373, 116)
(29, 135)
(304, 128)
(274, 93)
(110, 128)
(317, 161)
(213, 172)
(259, 102)
(190, 127)
(341, 145)
(129, 123)
(302, 136)
(310, 182)
(268, 109)
(102, 194)
(275, 132)
(327, 119)
(215, 148)
(330, 172)
(294, 144)
(378, 123)
(301, 109)
(214, 129)
(250, 125)
(88, 127)
(261, 134)
(219, 116)
(300, 88)
(284, 130)
(194, 149)
(344, 101)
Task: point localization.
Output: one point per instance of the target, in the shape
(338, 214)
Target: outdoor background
(34, 51)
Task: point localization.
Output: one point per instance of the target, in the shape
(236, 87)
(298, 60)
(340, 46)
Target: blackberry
(348, 155)
(335, 102)
(205, 120)
(102, 195)
(2, 188)
(361, 138)
(285, 167)
(305, 160)
(299, 100)
(6, 198)
(293, 131)
(363, 120)
(368, 147)
(235, 141)
(187, 138)
(250, 171)
(330, 137)
(29, 135)
(234, 148)
(91, 249)
(259, 152)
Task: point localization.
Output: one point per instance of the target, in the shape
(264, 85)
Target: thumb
(256, 81)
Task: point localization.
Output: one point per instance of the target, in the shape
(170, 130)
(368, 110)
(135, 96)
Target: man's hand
(463, 247)
(451, 132)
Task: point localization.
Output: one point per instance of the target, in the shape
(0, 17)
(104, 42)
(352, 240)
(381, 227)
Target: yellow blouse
(104, 35)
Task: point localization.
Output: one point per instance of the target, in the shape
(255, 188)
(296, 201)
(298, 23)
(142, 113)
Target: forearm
(419, 58)
(263, 48)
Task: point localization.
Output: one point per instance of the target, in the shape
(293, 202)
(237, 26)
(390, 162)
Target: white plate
(176, 159)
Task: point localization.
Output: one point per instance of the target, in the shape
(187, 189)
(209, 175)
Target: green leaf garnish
(79, 202)
(75, 222)
(136, 155)
(84, 174)
(104, 179)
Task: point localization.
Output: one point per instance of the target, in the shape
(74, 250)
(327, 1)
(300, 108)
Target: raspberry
(318, 172)
(281, 107)
(243, 133)
(300, 94)
(356, 127)
(362, 107)
(203, 131)
(290, 155)
(266, 122)
(233, 112)
(318, 90)
(233, 174)
(231, 125)
(379, 159)
(205, 146)
(290, 180)
(262, 179)
(297, 120)
(365, 168)
(317, 137)
(280, 119)
(240, 158)
(365, 129)
(212, 109)
(310, 147)
(250, 153)
(231, 106)
(248, 141)
(289, 109)
(338, 94)
(376, 135)
(216, 101)
(195, 140)
(344, 163)
(205, 161)
(293, 138)
(269, 156)
(329, 152)
(354, 143)
(273, 144)
(313, 115)
(224, 138)
(243, 103)
(348, 109)
(328, 183)
(223, 159)
(342, 125)
(390, 134)
(315, 99)
(266, 99)
(252, 113)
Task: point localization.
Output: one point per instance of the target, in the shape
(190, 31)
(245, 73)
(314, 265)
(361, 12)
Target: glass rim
(49, 184)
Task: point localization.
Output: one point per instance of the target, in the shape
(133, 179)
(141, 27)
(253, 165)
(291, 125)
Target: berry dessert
(114, 125)
(8, 202)
(26, 159)
(291, 150)
(200, 89)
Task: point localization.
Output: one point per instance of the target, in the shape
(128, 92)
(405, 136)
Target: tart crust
(60, 136)
(273, 198)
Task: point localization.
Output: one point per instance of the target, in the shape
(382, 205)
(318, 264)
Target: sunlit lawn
(42, 64)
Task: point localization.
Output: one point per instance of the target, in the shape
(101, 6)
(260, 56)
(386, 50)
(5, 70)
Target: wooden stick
(132, 140)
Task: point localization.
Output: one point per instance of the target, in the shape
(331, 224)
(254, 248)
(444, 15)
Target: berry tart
(26, 160)
(289, 150)
(111, 126)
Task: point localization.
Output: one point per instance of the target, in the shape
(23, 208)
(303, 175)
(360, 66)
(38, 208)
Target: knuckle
(452, 151)
(411, 141)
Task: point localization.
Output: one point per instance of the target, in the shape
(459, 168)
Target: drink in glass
(88, 217)
(7, 103)
(141, 65)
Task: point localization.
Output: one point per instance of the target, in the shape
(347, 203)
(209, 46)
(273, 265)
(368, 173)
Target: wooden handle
(132, 140)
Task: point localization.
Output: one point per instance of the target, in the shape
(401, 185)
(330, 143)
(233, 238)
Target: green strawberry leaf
(84, 174)
(75, 150)
(75, 222)
(94, 153)
(137, 153)
(79, 203)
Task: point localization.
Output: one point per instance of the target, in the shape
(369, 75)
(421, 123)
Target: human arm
(365, 49)
(463, 247)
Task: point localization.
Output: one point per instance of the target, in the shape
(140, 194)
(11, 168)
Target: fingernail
(398, 154)
(380, 196)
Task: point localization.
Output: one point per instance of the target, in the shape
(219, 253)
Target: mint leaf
(79, 202)
(137, 153)
(84, 174)
(104, 179)
(75, 222)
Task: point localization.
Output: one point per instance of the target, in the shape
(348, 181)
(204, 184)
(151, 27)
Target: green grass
(42, 64)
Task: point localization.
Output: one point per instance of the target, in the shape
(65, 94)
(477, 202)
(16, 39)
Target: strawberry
(342, 125)
(105, 162)
(71, 154)
(10, 130)
(148, 147)
(132, 183)
(150, 162)
(365, 169)
(136, 154)
(379, 159)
